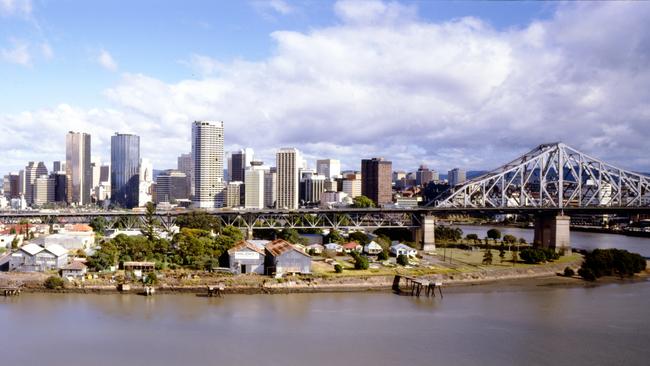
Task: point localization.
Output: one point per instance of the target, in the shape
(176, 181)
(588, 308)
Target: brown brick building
(376, 179)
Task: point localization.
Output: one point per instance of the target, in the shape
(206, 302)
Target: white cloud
(17, 54)
(454, 93)
(15, 7)
(106, 60)
(271, 8)
(46, 51)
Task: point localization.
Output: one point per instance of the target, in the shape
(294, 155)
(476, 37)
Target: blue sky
(442, 83)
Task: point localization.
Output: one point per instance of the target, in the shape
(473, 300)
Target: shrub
(569, 272)
(587, 274)
(382, 256)
(402, 260)
(150, 279)
(487, 257)
(338, 268)
(511, 239)
(360, 262)
(54, 282)
(538, 255)
(612, 262)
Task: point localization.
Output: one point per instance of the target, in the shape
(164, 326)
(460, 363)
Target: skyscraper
(32, 172)
(254, 181)
(77, 167)
(186, 166)
(145, 185)
(287, 164)
(207, 155)
(330, 168)
(270, 184)
(44, 190)
(376, 174)
(171, 185)
(238, 166)
(125, 169)
(456, 176)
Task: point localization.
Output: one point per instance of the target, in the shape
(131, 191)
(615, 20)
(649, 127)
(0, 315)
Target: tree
(472, 237)
(338, 268)
(494, 234)
(54, 283)
(383, 255)
(359, 237)
(360, 261)
(569, 272)
(290, 235)
(362, 202)
(99, 224)
(150, 279)
(448, 234)
(150, 223)
(403, 260)
(198, 220)
(510, 239)
(502, 252)
(611, 262)
(15, 242)
(487, 256)
(334, 236)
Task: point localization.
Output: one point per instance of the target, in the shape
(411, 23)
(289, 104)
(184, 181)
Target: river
(579, 239)
(603, 325)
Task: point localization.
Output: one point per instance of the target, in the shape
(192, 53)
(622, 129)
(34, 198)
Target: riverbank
(526, 277)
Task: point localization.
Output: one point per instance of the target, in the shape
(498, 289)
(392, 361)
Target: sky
(445, 84)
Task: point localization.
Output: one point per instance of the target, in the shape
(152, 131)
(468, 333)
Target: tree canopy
(362, 202)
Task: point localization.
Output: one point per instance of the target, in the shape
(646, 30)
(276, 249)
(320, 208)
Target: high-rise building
(270, 187)
(238, 166)
(171, 185)
(456, 176)
(207, 155)
(44, 187)
(96, 168)
(77, 167)
(233, 194)
(146, 183)
(58, 166)
(186, 166)
(60, 186)
(32, 172)
(376, 174)
(314, 186)
(423, 176)
(125, 170)
(330, 168)
(254, 182)
(105, 173)
(287, 164)
(21, 183)
(352, 187)
(11, 186)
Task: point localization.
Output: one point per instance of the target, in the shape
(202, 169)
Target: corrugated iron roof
(75, 265)
(279, 246)
(245, 244)
(56, 249)
(351, 245)
(32, 249)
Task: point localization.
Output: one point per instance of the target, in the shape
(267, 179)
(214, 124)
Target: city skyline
(534, 78)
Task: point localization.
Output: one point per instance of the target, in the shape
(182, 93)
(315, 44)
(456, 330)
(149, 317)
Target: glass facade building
(125, 165)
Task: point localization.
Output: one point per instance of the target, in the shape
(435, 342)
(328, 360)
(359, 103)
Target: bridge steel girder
(552, 176)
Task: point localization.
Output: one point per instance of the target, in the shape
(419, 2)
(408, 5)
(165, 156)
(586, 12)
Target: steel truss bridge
(551, 179)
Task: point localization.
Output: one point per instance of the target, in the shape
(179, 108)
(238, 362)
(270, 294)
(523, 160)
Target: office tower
(125, 170)
(207, 156)
(105, 173)
(331, 185)
(254, 182)
(287, 162)
(238, 166)
(21, 183)
(233, 194)
(11, 185)
(171, 185)
(60, 186)
(186, 166)
(314, 186)
(146, 184)
(32, 172)
(352, 187)
(270, 187)
(77, 167)
(456, 176)
(376, 180)
(96, 169)
(43, 189)
(423, 175)
(330, 168)
(58, 166)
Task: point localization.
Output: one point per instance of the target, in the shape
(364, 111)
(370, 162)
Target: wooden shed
(283, 257)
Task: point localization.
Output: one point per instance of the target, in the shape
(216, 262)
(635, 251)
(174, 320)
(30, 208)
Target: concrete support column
(425, 235)
(249, 234)
(552, 231)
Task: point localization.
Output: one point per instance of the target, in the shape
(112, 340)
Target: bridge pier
(552, 231)
(425, 234)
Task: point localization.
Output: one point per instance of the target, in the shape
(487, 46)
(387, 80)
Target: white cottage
(399, 249)
(372, 248)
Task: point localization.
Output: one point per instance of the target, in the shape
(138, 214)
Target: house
(246, 257)
(35, 258)
(399, 249)
(316, 248)
(352, 246)
(76, 269)
(334, 247)
(373, 248)
(70, 240)
(284, 257)
(138, 268)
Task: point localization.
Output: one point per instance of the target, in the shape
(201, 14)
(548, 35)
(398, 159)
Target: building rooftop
(279, 246)
(57, 250)
(75, 266)
(32, 249)
(245, 244)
